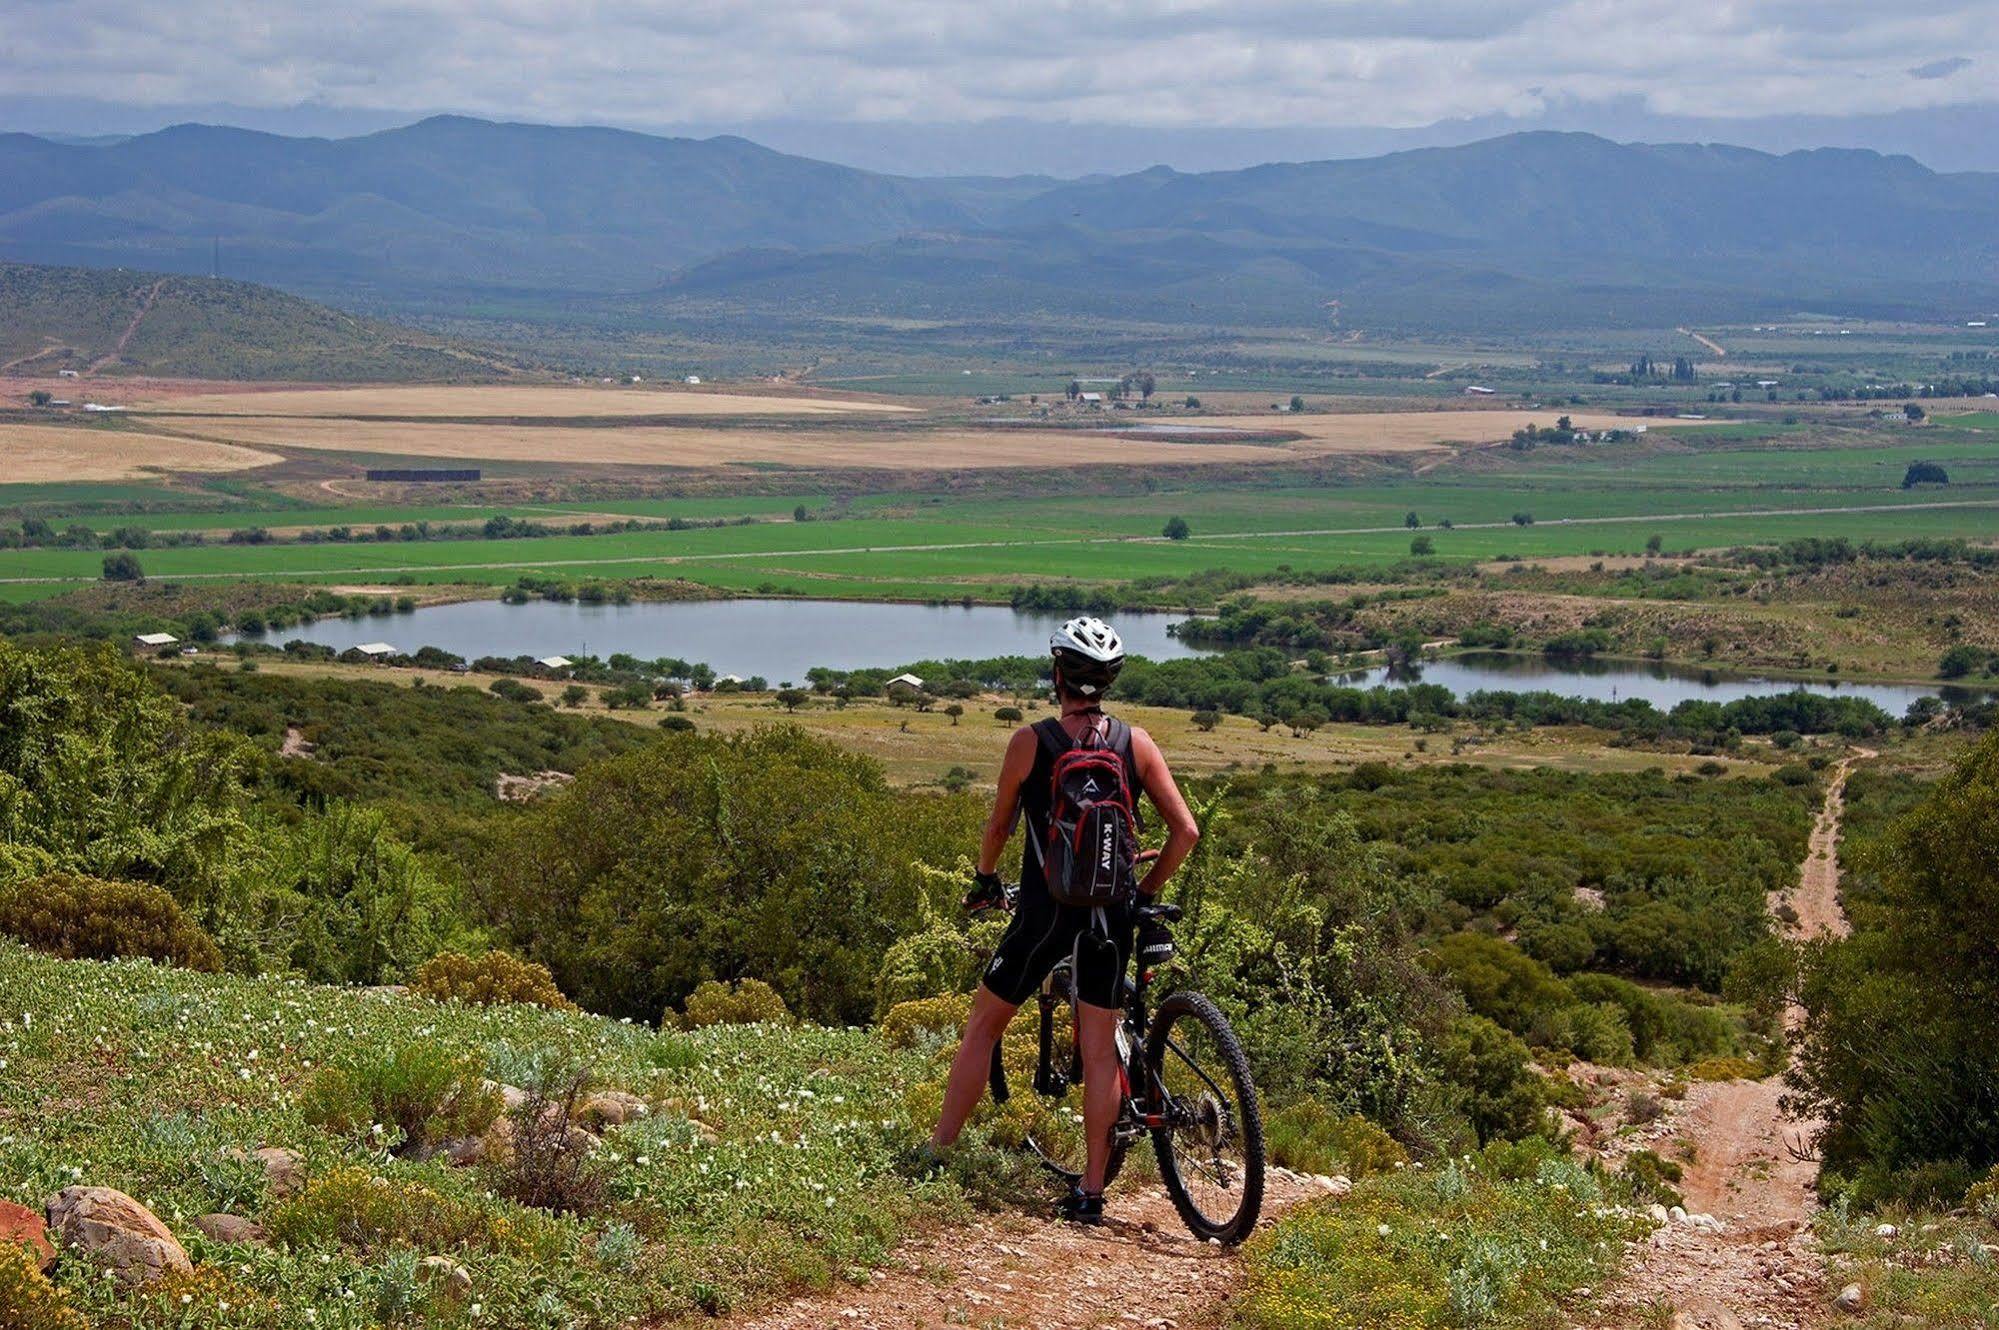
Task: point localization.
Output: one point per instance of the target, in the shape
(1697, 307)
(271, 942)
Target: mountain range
(1537, 228)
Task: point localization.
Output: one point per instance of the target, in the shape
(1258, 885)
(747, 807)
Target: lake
(778, 639)
(1664, 686)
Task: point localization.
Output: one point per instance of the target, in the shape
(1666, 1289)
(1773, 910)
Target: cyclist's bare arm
(1013, 774)
(1181, 831)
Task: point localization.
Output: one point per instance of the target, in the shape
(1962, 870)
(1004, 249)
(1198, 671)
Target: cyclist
(1088, 655)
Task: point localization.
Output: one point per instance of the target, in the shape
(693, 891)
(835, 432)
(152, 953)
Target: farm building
(154, 641)
(905, 681)
(1477, 390)
(377, 650)
(1090, 399)
(555, 662)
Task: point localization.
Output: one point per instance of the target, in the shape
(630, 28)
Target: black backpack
(1089, 850)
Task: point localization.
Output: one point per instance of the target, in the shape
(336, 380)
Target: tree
(40, 397)
(1653, 544)
(1523, 519)
(1961, 660)
(1074, 390)
(1192, 403)
(1914, 412)
(800, 514)
(955, 710)
(1897, 1055)
(1924, 473)
(1009, 715)
(1176, 528)
(1297, 402)
(575, 695)
(123, 567)
(1422, 547)
(1412, 521)
(1207, 720)
(791, 699)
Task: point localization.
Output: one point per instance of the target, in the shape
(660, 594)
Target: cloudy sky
(1161, 64)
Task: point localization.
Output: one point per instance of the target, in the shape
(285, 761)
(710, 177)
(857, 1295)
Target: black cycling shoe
(1081, 1207)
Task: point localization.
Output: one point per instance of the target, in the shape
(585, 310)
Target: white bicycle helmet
(1089, 653)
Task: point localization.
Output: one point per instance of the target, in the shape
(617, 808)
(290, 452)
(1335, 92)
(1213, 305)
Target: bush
(937, 1018)
(28, 1301)
(86, 918)
(677, 724)
(1311, 1137)
(495, 977)
(349, 1206)
(742, 1002)
(1897, 1055)
(1651, 1178)
(420, 1094)
(550, 1161)
(1492, 1075)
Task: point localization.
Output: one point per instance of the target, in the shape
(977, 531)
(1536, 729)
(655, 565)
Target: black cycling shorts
(1043, 932)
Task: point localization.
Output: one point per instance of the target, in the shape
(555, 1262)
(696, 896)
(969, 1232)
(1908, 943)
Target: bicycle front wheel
(1210, 1138)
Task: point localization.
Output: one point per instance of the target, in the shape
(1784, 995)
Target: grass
(1502, 1239)
(768, 1165)
(1937, 1271)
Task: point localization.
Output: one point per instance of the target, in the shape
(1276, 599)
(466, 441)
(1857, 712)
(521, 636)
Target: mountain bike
(1184, 1082)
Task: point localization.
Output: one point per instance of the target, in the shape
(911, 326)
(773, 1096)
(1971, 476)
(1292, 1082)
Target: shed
(906, 681)
(155, 640)
(377, 649)
(1090, 399)
(555, 662)
(1477, 390)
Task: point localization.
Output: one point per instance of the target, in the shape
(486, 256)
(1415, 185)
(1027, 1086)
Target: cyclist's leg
(972, 1065)
(1103, 950)
(1034, 941)
(1096, 1038)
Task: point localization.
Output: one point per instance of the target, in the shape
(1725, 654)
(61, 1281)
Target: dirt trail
(1707, 342)
(117, 350)
(1010, 1272)
(1758, 1266)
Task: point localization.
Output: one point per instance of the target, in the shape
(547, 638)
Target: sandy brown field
(1410, 431)
(34, 454)
(507, 400)
(946, 447)
(695, 446)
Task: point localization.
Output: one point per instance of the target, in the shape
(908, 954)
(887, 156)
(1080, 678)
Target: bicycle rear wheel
(1210, 1143)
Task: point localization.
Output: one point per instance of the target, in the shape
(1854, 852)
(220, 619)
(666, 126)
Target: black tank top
(1037, 795)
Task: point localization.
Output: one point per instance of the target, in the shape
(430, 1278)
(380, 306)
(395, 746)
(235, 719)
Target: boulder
(612, 1108)
(1852, 1299)
(284, 1169)
(446, 1275)
(461, 1151)
(229, 1228)
(118, 1233)
(1339, 1184)
(24, 1228)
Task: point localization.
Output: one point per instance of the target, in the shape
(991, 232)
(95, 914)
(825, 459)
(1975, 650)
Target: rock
(1658, 1213)
(451, 1278)
(1679, 1214)
(1886, 1231)
(512, 1096)
(117, 1232)
(230, 1228)
(1336, 1185)
(23, 1227)
(284, 1169)
(1852, 1299)
(462, 1151)
(612, 1108)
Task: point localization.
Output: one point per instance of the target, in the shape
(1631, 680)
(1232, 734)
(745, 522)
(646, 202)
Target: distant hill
(445, 202)
(1533, 229)
(120, 322)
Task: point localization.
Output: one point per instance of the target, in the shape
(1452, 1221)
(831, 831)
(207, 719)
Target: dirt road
(1748, 1168)
(1010, 1272)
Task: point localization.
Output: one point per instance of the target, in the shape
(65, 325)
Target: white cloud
(1140, 62)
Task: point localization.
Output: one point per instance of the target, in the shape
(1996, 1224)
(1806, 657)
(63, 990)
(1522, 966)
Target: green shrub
(352, 1207)
(742, 1002)
(1724, 1069)
(1486, 1241)
(420, 1094)
(1503, 983)
(937, 1018)
(1312, 1138)
(86, 918)
(1651, 1178)
(1491, 1073)
(492, 978)
(27, 1300)
(1897, 1055)
(550, 1163)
